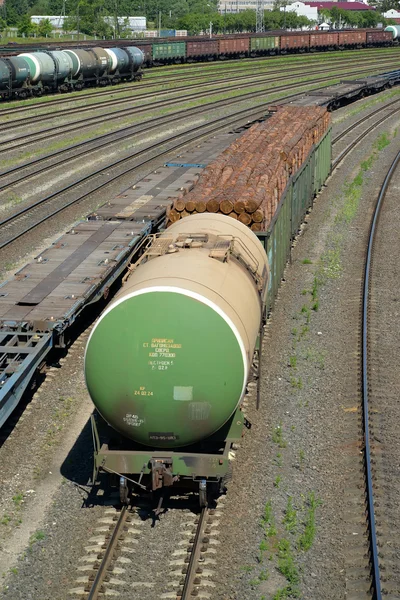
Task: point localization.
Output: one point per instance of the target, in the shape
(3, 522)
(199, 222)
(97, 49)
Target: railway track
(341, 155)
(36, 213)
(245, 80)
(370, 513)
(170, 77)
(379, 399)
(32, 216)
(83, 148)
(92, 145)
(182, 574)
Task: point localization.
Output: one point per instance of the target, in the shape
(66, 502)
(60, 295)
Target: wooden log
(244, 218)
(174, 215)
(256, 227)
(233, 215)
(184, 214)
(257, 216)
(250, 206)
(239, 207)
(226, 207)
(179, 205)
(201, 206)
(190, 206)
(212, 206)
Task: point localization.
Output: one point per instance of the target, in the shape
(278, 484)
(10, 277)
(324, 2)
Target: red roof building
(341, 5)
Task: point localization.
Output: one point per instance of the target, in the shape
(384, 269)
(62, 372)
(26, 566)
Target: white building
(132, 23)
(392, 14)
(56, 21)
(236, 6)
(302, 10)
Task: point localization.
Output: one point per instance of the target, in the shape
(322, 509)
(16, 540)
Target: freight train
(51, 69)
(169, 362)
(260, 44)
(36, 73)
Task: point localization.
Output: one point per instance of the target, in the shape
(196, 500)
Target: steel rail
(79, 123)
(346, 151)
(125, 112)
(157, 79)
(360, 121)
(225, 122)
(108, 555)
(126, 133)
(367, 449)
(194, 557)
(106, 104)
(129, 88)
(136, 130)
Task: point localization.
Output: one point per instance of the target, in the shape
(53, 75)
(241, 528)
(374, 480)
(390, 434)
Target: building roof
(341, 5)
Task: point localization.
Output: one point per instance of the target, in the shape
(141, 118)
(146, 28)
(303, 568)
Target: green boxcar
(169, 51)
(296, 200)
(264, 43)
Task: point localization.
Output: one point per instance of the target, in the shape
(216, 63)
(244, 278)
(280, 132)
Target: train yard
(306, 436)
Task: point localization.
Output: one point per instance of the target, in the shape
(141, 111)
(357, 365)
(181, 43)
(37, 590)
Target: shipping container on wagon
(352, 38)
(375, 38)
(233, 47)
(293, 42)
(324, 40)
(262, 45)
(201, 48)
(169, 52)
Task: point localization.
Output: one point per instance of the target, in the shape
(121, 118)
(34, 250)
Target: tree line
(195, 16)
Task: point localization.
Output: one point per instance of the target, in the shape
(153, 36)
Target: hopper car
(45, 300)
(45, 68)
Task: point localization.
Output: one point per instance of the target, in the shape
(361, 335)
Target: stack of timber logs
(247, 180)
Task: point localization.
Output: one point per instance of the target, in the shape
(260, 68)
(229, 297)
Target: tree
(45, 28)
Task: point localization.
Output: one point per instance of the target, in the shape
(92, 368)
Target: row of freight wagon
(34, 73)
(234, 46)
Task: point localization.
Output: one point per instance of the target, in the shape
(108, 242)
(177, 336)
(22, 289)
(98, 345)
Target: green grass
(5, 520)
(288, 568)
(18, 498)
(290, 518)
(306, 261)
(277, 436)
(37, 537)
(268, 521)
(307, 538)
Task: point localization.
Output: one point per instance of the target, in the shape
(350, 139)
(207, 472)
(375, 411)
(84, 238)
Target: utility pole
(211, 29)
(78, 24)
(159, 23)
(260, 16)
